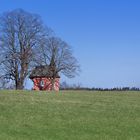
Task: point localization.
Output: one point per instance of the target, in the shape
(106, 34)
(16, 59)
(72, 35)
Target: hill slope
(69, 115)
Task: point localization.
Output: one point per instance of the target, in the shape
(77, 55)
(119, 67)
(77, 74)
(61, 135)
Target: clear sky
(104, 34)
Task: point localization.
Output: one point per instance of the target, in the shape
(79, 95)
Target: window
(42, 83)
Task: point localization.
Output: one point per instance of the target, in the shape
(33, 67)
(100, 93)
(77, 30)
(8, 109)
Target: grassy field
(69, 115)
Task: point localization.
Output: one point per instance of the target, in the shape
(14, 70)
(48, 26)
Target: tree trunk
(19, 85)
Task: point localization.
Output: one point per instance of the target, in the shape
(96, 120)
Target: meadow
(69, 115)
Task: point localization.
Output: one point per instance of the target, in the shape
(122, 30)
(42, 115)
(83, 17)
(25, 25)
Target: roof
(42, 71)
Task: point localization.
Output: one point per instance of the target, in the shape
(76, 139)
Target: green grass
(69, 115)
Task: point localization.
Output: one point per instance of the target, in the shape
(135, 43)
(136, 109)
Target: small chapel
(43, 78)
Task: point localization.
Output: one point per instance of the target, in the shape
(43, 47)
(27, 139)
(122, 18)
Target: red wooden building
(42, 77)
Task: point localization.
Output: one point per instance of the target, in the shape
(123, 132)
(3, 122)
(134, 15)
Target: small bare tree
(58, 55)
(20, 34)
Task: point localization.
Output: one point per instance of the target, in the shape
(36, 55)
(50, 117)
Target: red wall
(47, 84)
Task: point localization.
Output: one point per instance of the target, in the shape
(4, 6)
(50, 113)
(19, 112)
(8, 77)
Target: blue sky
(104, 35)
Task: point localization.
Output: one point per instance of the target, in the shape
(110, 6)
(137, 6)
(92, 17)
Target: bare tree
(20, 34)
(58, 55)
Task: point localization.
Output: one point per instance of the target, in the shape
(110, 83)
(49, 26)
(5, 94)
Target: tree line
(65, 86)
(100, 89)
